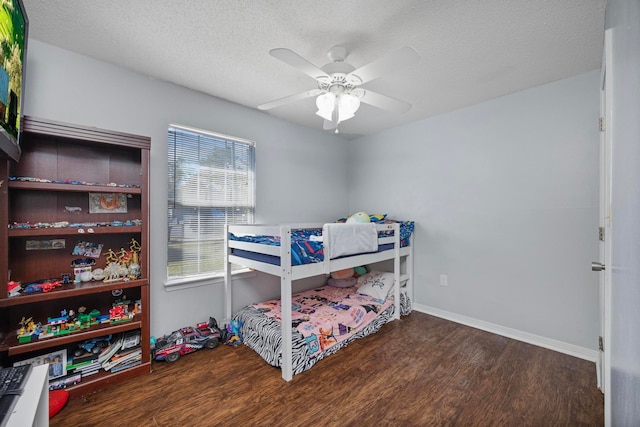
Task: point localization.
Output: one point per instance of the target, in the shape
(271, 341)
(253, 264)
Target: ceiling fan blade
(288, 99)
(392, 61)
(385, 102)
(296, 61)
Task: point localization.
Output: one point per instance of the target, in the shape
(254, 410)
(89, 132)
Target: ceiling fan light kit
(345, 104)
(338, 93)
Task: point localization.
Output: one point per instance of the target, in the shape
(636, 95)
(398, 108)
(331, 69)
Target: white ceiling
(471, 50)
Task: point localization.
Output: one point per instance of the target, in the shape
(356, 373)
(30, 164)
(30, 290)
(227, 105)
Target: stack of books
(123, 352)
(129, 353)
(85, 365)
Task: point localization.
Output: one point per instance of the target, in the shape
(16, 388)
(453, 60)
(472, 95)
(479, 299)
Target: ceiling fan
(339, 93)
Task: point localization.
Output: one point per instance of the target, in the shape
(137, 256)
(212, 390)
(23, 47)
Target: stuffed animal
(347, 277)
(359, 217)
(360, 271)
(343, 274)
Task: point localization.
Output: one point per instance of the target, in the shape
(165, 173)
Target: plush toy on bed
(347, 273)
(360, 271)
(342, 278)
(346, 278)
(359, 217)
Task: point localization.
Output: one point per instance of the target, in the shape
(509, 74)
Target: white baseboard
(551, 344)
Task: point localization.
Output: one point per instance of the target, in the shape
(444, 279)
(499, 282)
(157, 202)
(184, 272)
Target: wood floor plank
(418, 371)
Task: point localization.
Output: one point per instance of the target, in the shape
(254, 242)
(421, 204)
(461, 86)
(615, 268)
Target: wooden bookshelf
(60, 166)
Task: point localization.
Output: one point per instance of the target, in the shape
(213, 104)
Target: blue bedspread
(307, 251)
(303, 249)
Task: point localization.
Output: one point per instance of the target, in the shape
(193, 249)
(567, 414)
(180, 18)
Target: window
(211, 182)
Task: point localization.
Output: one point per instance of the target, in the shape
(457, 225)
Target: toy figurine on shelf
(113, 271)
(120, 312)
(27, 330)
(123, 265)
(24, 325)
(13, 288)
(134, 266)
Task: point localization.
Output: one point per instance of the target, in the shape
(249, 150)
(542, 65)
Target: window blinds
(211, 182)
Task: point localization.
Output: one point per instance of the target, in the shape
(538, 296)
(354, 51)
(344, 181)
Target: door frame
(605, 221)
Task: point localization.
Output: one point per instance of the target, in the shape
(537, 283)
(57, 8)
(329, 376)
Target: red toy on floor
(57, 400)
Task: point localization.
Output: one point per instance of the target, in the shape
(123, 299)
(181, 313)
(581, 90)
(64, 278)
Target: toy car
(46, 285)
(94, 345)
(187, 340)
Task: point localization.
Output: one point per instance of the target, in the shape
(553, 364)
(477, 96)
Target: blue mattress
(275, 260)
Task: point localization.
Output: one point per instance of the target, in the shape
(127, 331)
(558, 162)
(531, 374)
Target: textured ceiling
(470, 50)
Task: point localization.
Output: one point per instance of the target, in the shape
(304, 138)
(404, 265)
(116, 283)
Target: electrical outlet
(443, 280)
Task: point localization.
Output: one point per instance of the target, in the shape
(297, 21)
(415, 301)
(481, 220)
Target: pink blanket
(327, 315)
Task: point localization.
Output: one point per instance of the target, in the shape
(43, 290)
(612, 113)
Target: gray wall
(291, 160)
(505, 199)
(622, 407)
(504, 193)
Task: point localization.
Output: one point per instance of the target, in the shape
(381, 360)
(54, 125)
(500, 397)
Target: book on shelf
(92, 372)
(72, 365)
(94, 365)
(108, 352)
(126, 365)
(122, 357)
(131, 339)
(87, 356)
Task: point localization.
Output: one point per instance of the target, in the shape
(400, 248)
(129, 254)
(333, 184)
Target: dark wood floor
(419, 371)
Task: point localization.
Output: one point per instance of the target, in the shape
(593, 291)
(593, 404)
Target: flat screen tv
(14, 27)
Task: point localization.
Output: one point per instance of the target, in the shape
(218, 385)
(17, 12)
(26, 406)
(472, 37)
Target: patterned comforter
(323, 320)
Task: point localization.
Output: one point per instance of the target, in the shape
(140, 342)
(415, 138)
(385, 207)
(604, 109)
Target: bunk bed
(298, 251)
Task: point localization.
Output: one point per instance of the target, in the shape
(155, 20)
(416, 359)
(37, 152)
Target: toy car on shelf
(46, 285)
(187, 340)
(94, 345)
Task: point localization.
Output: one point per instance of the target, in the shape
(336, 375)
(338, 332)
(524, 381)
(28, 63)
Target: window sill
(195, 281)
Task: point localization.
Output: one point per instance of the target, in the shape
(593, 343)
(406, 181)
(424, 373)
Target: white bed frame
(288, 273)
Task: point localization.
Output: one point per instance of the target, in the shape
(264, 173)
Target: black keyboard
(13, 379)
(12, 382)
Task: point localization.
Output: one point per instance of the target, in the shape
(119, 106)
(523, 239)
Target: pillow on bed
(376, 284)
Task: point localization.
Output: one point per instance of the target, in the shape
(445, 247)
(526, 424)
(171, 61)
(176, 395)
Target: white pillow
(376, 284)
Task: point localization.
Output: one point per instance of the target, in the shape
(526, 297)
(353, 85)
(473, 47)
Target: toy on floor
(57, 400)
(187, 340)
(234, 334)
